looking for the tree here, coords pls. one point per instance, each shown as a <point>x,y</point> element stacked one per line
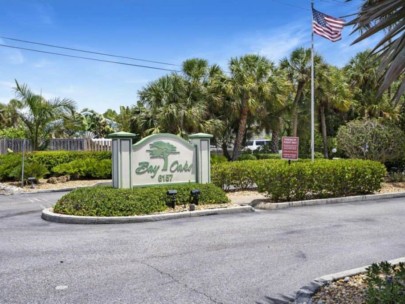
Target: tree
<point>160,149</point>
<point>332,93</point>
<point>298,68</point>
<point>388,16</point>
<point>248,86</point>
<point>362,73</point>
<point>371,139</point>
<point>37,114</point>
<point>275,105</point>
<point>176,103</point>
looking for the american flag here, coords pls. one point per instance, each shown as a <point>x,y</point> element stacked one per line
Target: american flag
<point>327,26</point>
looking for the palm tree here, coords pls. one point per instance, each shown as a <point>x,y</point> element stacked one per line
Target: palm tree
<point>332,93</point>
<point>248,86</point>
<point>176,103</point>
<point>362,73</point>
<point>388,16</point>
<point>298,68</point>
<point>37,114</point>
<point>275,106</point>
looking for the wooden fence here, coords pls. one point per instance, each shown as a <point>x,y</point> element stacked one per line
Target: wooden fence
<point>67,144</point>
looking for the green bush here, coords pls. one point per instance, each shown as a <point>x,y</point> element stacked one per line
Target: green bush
<point>107,201</point>
<point>85,168</point>
<point>246,156</point>
<point>240,174</point>
<point>216,159</point>
<point>49,159</point>
<point>268,156</point>
<point>8,163</point>
<point>385,283</point>
<point>302,179</point>
<point>31,169</point>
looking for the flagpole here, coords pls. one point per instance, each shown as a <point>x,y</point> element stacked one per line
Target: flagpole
<point>312,90</point>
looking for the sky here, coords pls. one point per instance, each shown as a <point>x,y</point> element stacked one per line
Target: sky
<point>168,31</point>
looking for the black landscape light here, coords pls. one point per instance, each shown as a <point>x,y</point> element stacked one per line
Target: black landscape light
<point>171,198</point>
<point>32,181</point>
<point>194,196</point>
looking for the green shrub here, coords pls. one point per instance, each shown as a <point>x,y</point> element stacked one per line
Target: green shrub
<point>268,156</point>
<point>302,179</point>
<point>107,201</point>
<point>385,283</point>
<point>240,175</point>
<point>246,156</point>
<point>216,159</point>
<point>85,168</point>
<point>8,163</point>
<point>50,159</point>
<point>31,169</point>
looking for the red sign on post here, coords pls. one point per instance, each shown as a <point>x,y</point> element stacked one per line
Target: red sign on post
<point>290,148</point>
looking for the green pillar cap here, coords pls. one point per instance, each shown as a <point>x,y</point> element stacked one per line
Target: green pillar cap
<point>200,135</point>
<point>121,135</point>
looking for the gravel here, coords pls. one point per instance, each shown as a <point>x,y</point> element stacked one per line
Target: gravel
<point>348,290</point>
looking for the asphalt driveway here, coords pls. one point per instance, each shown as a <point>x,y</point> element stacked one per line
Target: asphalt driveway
<point>240,258</point>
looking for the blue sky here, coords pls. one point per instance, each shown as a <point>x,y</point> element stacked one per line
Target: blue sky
<point>161,30</point>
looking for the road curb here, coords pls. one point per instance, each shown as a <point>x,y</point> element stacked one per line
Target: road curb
<point>304,294</point>
<point>49,215</point>
<point>326,201</point>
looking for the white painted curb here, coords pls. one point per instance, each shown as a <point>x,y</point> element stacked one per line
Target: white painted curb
<point>49,215</point>
<point>304,295</point>
<point>326,201</point>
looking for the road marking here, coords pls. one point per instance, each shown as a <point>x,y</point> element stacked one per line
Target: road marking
<point>61,287</point>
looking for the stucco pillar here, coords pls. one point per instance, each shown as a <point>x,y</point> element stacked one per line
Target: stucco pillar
<point>121,159</point>
<point>202,144</point>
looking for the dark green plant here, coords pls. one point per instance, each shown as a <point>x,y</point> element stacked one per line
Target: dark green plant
<point>301,179</point>
<point>216,159</point>
<point>107,201</point>
<point>31,169</point>
<point>268,156</point>
<point>371,139</point>
<point>49,159</point>
<point>396,176</point>
<point>246,156</point>
<point>85,168</point>
<point>8,163</point>
<point>386,283</point>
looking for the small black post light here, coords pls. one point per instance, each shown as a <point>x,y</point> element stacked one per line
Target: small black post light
<point>171,198</point>
<point>32,181</point>
<point>194,196</point>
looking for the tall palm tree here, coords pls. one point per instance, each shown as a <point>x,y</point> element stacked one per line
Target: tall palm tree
<point>275,106</point>
<point>362,73</point>
<point>388,16</point>
<point>177,103</point>
<point>37,114</point>
<point>332,92</point>
<point>298,68</point>
<point>248,87</point>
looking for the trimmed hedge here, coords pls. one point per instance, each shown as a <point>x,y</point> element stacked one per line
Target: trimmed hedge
<point>108,201</point>
<point>85,168</point>
<point>302,179</point>
<point>49,159</point>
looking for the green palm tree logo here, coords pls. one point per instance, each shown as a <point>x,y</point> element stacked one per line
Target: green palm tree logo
<point>160,149</point>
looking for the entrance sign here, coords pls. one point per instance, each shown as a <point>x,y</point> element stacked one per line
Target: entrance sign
<point>159,159</point>
<point>290,148</point>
